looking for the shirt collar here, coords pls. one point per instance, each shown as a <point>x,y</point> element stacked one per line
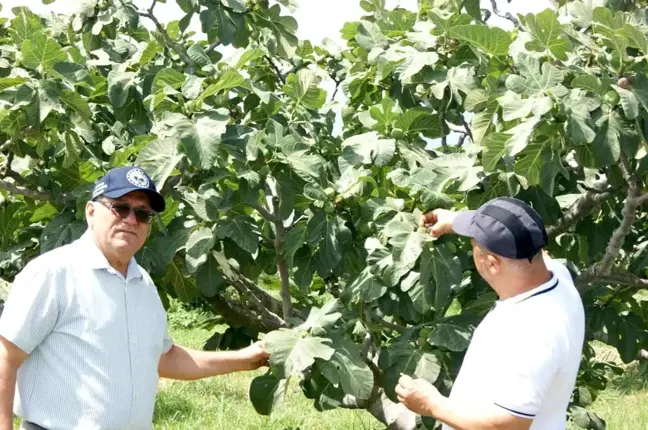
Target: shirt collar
<point>541,289</point>
<point>95,259</point>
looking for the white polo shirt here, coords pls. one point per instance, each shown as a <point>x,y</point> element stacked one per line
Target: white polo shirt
<point>94,337</point>
<point>525,354</point>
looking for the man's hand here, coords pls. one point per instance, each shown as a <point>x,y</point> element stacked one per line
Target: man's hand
<point>255,356</point>
<point>422,398</point>
<point>439,221</point>
<point>418,395</point>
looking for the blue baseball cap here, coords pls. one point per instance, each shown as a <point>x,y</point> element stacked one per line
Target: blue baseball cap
<point>123,180</point>
<point>505,226</point>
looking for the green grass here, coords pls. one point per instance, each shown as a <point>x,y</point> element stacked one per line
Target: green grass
<point>222,403</point>
<point>623,404</point>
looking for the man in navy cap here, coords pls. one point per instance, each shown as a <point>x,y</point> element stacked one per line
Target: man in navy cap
<point>83,335</point>
<point>521,366</point>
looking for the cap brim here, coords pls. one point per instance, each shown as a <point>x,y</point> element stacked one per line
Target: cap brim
<point>157,201</point>
<point>463,224</point>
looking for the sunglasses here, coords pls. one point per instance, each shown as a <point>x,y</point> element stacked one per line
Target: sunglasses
<point>123,210</point>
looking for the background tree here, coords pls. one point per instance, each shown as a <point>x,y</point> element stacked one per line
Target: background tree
<point>259,187</point>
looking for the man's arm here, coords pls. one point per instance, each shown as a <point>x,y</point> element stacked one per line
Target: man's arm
<point>29,316</point>
<point>188,364</point>
<point>11,357</point>
<point>423,398</point>
<point>464,417</point>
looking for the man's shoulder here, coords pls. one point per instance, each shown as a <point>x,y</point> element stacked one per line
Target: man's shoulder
<point>53,260</point>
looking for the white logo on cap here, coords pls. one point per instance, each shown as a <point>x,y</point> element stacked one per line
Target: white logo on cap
<point>138,178</point>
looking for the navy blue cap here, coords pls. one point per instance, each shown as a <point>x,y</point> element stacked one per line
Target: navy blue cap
<point>505,226</point>
<point>123,180</point>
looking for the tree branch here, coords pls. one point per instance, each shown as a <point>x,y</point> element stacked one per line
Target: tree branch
<point>337,85</point>
<point>173,45</point>
<point>6,167</point>
<point>642,199</point>
<point>625,278</point>
<point>284,276</point>
<point>236,313</point>
<point>506,15</point>
<point>264,213</point>
<point>281,77</point>
<point>444,125</point>
<point>467,128</point>
<point>372,317</point>
<point>6,146</point>
<point>629,217</point>
<point>584,206</point>
<point>269,301</point>
<point>24,191</point>
<point>462,140</point>
<point>213,46</point>
<point>261,307</point>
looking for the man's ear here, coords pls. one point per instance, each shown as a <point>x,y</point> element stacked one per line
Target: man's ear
<point>494,264</point>
<point>89,210</point>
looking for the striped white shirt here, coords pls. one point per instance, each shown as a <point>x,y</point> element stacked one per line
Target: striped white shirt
<point>94,339</point>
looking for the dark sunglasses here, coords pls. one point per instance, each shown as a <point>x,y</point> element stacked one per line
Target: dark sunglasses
<point>123,210</point>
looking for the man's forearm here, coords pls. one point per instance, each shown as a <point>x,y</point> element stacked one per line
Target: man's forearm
<point>7,391</point>
<point>11,358</point>
<point>188,364</point>
<point>478,417</point>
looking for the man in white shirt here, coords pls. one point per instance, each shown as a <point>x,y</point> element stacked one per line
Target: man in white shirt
<point>83,335</point>
<point>521,366</point>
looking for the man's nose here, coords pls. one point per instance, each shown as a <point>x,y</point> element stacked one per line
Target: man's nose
<point>131,219</point>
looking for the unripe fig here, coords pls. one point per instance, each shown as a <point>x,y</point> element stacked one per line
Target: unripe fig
<point>612,98</point>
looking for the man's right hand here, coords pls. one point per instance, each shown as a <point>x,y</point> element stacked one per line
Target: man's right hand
<point>439,221</point>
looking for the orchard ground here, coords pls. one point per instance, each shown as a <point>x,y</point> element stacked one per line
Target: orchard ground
<point>222,402</point>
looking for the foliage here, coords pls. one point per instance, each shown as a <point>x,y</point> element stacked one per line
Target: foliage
<point>259,183</point>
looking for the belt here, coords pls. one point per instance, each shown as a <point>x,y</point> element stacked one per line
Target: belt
<point>26,425</point>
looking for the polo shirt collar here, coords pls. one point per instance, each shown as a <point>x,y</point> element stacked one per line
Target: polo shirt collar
<point>96,260</point>
<point>541,289</point>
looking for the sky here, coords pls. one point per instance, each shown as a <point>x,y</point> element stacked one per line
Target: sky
<point>317,19</point>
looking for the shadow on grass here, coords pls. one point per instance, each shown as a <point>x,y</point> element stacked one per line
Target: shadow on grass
<point>634,379</point>
<point>171,407</point>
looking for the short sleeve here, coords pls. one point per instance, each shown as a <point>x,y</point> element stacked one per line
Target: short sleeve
<point>31,310</point>
<point>168,342</point>
<point>526,372</point>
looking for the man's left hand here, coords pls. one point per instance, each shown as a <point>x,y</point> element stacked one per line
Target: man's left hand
<point>418,395</point>
<point>254,356</point>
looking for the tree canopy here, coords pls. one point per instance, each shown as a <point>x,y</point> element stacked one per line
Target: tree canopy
<point>265,180</point>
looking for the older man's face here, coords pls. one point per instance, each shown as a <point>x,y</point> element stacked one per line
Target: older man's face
<point>121,225</point>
